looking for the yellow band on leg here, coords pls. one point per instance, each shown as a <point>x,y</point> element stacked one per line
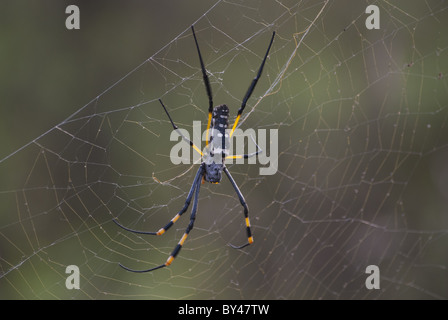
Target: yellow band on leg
<point>182,240</point>
<point>197,150</point>
<point>208,128</point>
<point>176,217</point>
<point>169,261</point>
<point>234,125</point>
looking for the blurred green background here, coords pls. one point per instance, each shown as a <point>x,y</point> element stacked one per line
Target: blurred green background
<point>363,149</point>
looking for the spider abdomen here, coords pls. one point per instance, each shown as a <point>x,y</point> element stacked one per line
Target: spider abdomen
<point>219,137</point>
<point>220,122</point>
<point>219,144</point>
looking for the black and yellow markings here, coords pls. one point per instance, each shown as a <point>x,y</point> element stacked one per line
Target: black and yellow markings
<point>217,120</point>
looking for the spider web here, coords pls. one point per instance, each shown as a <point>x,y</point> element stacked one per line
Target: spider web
<point>363,150</point>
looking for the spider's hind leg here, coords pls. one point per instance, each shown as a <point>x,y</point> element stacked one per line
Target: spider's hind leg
<point>250,238</point>
<point>175,252</point>
<point>161,231</point>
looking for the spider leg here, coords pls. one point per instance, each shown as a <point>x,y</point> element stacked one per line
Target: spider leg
<point>207,85</point>
<point>161,231</point>
<point>179,245</point>
<point>246,156</point>
<point>251,87</point>
<point>179,132</point>
<point>250,238</point>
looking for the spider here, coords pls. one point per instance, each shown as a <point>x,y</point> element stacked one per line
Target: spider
<point>213,158</point>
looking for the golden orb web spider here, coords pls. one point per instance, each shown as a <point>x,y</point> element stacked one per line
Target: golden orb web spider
<point>213,158</point>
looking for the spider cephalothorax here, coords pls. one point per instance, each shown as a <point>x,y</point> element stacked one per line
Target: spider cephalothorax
<point>213,158</point>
